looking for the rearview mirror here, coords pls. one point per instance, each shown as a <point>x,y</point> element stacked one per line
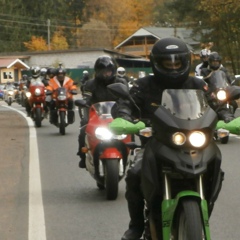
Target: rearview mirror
<point>119,90</point>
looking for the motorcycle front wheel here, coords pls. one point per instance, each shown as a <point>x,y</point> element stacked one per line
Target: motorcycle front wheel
<point>38,117</point>
<point>9,102</point>
<point>111,168</point>
<point>189,221</point>
<point>62,123</point>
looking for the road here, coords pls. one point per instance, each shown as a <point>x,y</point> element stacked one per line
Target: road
<point>73,207</point>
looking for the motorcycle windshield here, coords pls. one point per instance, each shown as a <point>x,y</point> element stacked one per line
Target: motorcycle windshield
<point>185,104</point>
<point>62,91</point>
<point>218,79</point>
<point>36,83</point>
<point>103,108</point>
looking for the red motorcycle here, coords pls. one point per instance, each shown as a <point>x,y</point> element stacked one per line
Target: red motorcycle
<point>62,115</point>
<point>36,98</point>
<point>107,155</point>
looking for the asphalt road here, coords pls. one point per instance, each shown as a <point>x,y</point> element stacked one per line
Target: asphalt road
<point>73,207</point>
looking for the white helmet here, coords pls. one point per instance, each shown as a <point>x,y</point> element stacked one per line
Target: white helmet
<point>85,73</point>
<point>205,53</point>
<point>121,72</point>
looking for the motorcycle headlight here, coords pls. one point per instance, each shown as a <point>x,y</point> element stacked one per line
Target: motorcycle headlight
<point>10,92</point>
<point>221,95</point>
<point>197,139</point>
<point>61,97</point>
<point>37,92</point>
<point>105,134</point>
<point>28,94</point>
<point>179,138</point>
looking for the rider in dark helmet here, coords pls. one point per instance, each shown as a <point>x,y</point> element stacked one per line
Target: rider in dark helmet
<point>105,70</point>
<point>214,61</point>
<point>95,91</point>
<point>215,64</point>
<point>170,59</point>
<point>51,72</point>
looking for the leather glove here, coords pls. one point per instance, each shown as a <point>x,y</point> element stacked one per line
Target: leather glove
<point>126,117</point>
<point>228,119</point>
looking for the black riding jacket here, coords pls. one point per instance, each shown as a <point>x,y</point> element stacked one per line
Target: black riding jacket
<point>95,91</point>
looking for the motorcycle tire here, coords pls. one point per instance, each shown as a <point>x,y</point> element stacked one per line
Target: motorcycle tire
<point>9,102</point>
<point>189,221</point>
<point>224,140</point>
<point>111,170</point>
<point>62,123</point>
<point>38,117</point>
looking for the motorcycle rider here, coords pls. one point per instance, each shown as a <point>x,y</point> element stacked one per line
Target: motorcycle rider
<point>35,77</point>
<point>204,54</point>
<point>61,80</point>
<point>95,91</point>
<point>214,64</point>
<point>84,80</point>
<point>170,59</point>
<point>121,73</point>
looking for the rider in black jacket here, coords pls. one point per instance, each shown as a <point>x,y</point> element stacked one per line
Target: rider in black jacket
<point>95,91</point>
<point>170,59</point>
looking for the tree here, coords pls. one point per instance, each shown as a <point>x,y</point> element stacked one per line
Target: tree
<point>59,42</point>
<point>95,34</point>
<point>36,44</point>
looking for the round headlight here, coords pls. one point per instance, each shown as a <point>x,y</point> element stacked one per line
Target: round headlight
<point>179,138</point>
<point>103,133</point>
<point>221,95</point>
<point>37,91</point>
<point>197,139</point>
<point>28,94</point>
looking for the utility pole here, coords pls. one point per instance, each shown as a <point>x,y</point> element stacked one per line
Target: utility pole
<point>48,25</point>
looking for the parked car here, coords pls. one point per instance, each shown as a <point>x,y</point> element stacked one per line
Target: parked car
<point>1,92</point>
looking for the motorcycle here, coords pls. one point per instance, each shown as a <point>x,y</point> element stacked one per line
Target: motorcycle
<point>62,115</point>
<point>107,155</point>
<point>218,96</point>
<point>182,176</point>
<point>9,95</point>
<point>36,99</point>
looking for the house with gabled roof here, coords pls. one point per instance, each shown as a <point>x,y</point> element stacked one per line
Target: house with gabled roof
<point>141,42</point>
<point>10,69</point>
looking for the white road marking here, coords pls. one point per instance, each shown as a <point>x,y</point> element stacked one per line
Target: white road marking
<point>36,220</point>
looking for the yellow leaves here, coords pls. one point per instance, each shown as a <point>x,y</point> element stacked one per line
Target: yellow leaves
<point>36,44</point>
<point>58,42</point>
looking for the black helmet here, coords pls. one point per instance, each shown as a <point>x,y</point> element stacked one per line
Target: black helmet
<point>214,60</point>
<point>175,53</point>
<point>51,72</point>
<point>35,71</point>
<point>105,69</point>
<point>60,73</point>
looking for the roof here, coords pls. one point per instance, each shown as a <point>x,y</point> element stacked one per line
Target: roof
<point>162,32</point>
<point>10,62</point>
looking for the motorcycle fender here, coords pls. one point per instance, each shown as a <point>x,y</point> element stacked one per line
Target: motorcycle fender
<point>110,153</point>
<point>170,206</point>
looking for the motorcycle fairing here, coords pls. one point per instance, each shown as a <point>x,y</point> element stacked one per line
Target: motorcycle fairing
<point>164,124</point>
<point>182,165</point>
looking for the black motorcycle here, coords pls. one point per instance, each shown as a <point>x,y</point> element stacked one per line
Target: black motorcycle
<point>182,176</point>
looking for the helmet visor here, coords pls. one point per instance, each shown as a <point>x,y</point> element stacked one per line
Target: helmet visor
<point>172,63</point>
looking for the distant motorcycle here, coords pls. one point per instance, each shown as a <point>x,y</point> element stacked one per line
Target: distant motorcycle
<point>62,115</point>
<point>36,98</point>
<point>220,94</point>
<point>9,95</point>
<point>107,155</point>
